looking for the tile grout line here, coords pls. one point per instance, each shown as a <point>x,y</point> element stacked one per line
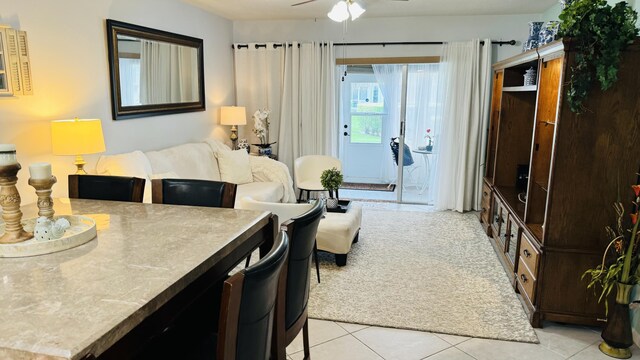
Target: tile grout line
<point>438,352</point>
<point>375,352</point>
<point>464,352</point>
<point>324,342</point>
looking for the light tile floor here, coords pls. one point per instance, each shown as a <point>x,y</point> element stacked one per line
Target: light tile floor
<point>331,340</point>
<point>339,341</point>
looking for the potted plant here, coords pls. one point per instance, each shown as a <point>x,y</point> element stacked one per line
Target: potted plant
<point>261,130</point>
<point>599,33</point>
<point>331,179</point>
<point>621,273</point>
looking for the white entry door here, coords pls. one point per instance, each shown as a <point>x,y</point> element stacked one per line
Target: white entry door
<point>363,128</point>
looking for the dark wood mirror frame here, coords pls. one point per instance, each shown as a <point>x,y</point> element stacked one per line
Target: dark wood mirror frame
<point>114,28</point>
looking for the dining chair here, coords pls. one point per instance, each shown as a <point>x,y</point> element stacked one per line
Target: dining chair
<point>102,187</point>
<point>193,192</point>
<point>247,311</point>
<point>308,169</point>
<point>293,288</point>
<point>245,320</point>
<point>284,211</point>
<point>407,159</point>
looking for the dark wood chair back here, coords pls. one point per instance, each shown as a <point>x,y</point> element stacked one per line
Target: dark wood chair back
<point>247,309</point>
<point>293,292</point>
<point>193,192</point>
<point>101,187</point>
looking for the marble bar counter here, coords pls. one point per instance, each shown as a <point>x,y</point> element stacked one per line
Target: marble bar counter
<point>80,302</point>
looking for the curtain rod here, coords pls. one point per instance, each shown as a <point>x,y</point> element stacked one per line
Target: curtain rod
<point>258,46</point>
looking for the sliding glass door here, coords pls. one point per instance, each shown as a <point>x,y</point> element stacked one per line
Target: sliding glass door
<point>389,118</point>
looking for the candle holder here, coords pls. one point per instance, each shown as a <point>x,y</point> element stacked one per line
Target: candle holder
<point>43,190</point>
<point>10,202</point>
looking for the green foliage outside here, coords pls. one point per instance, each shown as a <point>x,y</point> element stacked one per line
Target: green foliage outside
<point>367,129</point>
<point>600,33</point>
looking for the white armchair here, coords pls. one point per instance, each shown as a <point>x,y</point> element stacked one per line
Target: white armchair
<point>308,169</point>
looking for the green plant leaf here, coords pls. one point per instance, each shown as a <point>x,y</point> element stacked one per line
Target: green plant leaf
<point>600,33</point>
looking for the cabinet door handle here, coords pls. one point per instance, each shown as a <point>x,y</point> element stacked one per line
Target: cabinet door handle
<point>485,193</point>
<point>524,278</point>
<point>484,210</point>
<point>526,253</point>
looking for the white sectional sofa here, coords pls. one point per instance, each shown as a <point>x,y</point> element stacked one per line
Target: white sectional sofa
<point>268,181</point>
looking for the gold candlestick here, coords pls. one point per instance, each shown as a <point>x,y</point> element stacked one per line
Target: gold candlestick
<point>43,190</point>
<point>10,202</point>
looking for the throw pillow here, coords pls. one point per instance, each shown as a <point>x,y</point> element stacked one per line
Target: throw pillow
<point>130,164</point>
<point>234,166</point>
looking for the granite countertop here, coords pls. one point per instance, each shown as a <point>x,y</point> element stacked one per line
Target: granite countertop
<point>66,304</point>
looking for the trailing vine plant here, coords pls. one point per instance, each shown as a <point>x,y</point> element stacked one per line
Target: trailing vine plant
<point>600,33</point>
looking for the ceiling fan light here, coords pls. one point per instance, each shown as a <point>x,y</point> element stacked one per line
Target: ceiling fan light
<point>356,10</point>
<point>339,12</point>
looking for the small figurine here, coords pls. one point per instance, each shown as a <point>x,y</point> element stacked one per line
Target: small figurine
<point>46,229</point>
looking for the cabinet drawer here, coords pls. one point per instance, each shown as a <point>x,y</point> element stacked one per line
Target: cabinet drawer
<point>527,280</point>
<point>529,254</point>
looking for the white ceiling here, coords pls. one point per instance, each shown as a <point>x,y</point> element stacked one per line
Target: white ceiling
<point>282,9</point>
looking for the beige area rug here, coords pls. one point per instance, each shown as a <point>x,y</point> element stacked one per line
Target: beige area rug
<point>429,271</point>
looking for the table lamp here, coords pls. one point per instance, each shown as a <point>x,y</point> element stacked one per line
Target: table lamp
<point>233,115</point>
<point>77,137</point>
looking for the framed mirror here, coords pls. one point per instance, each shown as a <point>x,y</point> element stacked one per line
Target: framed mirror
<point>153,72</point>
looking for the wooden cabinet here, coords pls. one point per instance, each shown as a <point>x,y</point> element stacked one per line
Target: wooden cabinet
<point>552,177</point>
<point>505,229</point>
<point>485,213</point>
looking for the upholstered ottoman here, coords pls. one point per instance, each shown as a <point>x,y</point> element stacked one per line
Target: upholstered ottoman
<point>337,231</point>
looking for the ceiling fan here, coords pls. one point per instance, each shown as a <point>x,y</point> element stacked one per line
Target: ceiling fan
<point>343,9</point>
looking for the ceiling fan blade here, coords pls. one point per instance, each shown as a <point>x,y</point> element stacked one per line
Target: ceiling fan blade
<point>302,3</point>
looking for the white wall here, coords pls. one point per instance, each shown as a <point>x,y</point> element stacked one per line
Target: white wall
<point>424,28</point>
<point>67,41</point>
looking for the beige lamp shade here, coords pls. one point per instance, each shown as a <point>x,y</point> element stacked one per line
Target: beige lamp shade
<point>233,115</point>
<point>77,136</point>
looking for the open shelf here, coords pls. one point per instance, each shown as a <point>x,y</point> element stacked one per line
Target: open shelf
<point>520,88</point>
<point>536,231</point>
<point>542,186</point>
<point>510,196</point>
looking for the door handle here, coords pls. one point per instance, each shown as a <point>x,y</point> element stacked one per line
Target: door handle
<point>345,133</point>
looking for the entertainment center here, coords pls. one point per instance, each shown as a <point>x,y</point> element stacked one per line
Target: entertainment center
<point>552,177</point>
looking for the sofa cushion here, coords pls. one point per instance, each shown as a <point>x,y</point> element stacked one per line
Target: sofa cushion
<point>234,166</point>
<point>260,191</point>
<point>188,161</point>
<point>133,164</point>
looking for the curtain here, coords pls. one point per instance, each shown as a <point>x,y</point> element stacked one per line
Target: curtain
<point>423,113</point>
<point>130,75</point>
<point>465,85</point>
<point>389,78</point>
<point>259,83</point>
<point>297,83</point>
<point>168,73</point>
